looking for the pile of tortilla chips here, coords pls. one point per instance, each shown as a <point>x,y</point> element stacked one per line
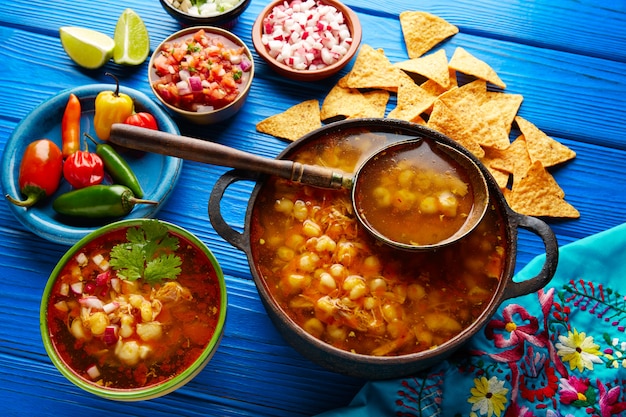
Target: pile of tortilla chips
<point>428,92</point>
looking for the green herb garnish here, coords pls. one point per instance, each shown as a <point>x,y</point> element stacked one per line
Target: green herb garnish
<point>148,254</point>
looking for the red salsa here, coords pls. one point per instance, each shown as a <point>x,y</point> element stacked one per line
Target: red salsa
<point>200,71</point>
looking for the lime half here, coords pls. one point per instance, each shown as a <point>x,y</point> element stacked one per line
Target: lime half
<point>87,47</point>
<point>132,42</point>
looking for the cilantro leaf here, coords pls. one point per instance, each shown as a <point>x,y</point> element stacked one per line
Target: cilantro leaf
<point>163,267</point>
<point>148,254</point>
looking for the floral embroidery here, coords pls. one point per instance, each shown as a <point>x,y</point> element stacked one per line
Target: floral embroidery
<point>576,391</point>
<point>488,396</point>
<point>609,404</point>
<point>579,350</point>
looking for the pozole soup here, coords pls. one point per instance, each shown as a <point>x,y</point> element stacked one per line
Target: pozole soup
<point>341,285</point>
<point>135,307</point>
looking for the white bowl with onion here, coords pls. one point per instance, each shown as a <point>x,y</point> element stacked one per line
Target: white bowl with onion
<point>222,13</point>
<point>306,40</point>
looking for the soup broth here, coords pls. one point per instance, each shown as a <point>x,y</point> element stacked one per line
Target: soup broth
<point>129,334</point>
<point>341,285</point>
<point>414,195</point>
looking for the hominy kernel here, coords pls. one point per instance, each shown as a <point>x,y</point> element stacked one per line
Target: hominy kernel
<point>372,265</point>
<point>415,292</point>
<point>311,229</point>
<point>378,286</point>
<point>98,322</point>
<point>428,205</point>
<point>338,271</point>
<point>314,327</point>
<point>296,282</point>
<point>325,244</point>
<point>336,332</point>
<point>405,178</point>
<point>370,303</point>
<point>346,253</point>
<point>300,210</point>
<point>327,283</point>
<point>295,241</point>
<point>397,329</point>
<point>358,291</point>
<point>308,261</point>
<point>392,311</point>
<point>382,196</point>
<point>283,205</point>
<point>400,292</point>
<point>285,254</point>
<point>351,281</point>
<point>325,308</point>
<point>403,199</point>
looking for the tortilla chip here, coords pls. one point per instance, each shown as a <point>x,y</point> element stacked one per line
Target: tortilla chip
<point>514,159</point>
<point>467,63</point>
<point>494,158</point>
<point>446,121</point>
<point>351,103</point>
<point>294,122</point>
<point>433,67</point>
<point>542,147</point>
<point>372,69</point>
<point>470,103</point>
<point>501,108</point>
<point>538,194</point>
<point>411,103</point>
<point>435,89</point>
<point>422,31</point>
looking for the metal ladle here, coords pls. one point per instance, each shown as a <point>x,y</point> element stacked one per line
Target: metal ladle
<point>205,151</point>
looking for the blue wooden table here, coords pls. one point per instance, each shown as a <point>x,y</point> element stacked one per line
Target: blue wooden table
<point>566,57</point>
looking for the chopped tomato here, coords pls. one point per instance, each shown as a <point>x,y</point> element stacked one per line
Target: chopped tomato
<point>201,70</point>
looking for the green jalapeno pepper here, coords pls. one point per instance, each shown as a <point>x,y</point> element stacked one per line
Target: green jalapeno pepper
<point>117,167</point>
<point>98,201</point>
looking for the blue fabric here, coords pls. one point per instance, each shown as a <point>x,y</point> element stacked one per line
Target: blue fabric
<point>558,352</point>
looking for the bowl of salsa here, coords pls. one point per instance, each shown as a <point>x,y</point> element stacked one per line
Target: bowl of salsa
<point>134,310</point>
<point>202,74</point>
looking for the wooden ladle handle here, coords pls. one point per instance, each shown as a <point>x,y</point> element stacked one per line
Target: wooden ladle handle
<point>208,152</point>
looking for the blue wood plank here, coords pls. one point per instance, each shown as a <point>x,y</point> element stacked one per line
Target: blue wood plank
<point>566,58</point>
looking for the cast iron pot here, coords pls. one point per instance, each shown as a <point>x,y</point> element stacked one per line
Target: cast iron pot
<point>384,367</point>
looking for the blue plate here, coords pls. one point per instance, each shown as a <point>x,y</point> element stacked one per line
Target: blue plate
<point>157,174</point>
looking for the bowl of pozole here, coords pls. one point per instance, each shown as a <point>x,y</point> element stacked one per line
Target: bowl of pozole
<point>134,310</point>
<point>353,304</point>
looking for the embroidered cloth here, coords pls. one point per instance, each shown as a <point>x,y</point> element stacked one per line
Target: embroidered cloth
<point>559,352</point>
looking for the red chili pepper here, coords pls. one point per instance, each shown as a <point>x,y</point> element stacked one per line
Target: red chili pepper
<point>40,172</point>
<point>70,126</point>
<point>142,119</point>
<point>83,168</point>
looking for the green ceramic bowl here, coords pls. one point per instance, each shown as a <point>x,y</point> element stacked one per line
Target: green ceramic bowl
<point>114,351</point>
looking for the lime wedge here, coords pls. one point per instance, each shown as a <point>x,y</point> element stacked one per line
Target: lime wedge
<point>132,42</point>
<point>87,47</point>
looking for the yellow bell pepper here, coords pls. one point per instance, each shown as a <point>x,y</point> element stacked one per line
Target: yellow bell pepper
<point>111,107</point>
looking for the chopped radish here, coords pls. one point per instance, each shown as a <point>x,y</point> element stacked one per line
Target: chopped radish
<point>306,35</point>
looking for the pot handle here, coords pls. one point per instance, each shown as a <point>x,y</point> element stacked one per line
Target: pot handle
<point>544,276</point>
<point>229,234</point>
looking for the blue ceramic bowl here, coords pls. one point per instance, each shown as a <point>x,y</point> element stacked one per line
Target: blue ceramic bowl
<point>157,174</point>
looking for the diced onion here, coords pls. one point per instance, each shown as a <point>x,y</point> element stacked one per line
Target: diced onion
<point>93,372</point>
<point>306,35</point>
<point>77,287</point>
<point>91,302</point>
